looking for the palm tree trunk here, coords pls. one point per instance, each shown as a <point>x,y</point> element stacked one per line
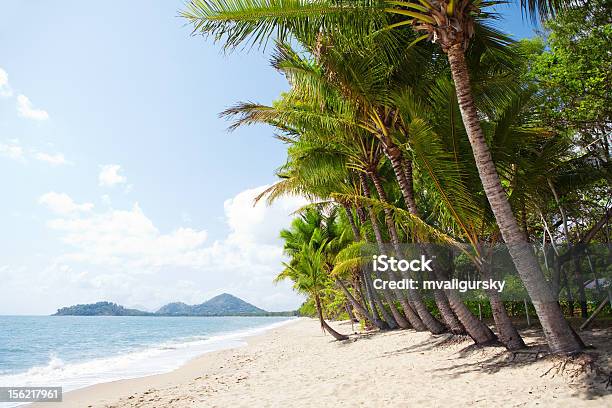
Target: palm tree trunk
<point>359,289</point>
<point>411,315</point>
<point>507,333</point>
<point>358,306</point>
<point>368,322</point>
<point>440,298</point>
<point>560,336</point>
<point>447,313</point>
<point>477,330</point>
<point>370,294</point>
<point>382,319</point>
<point>399,318</point>
<point>385,320</point>
<point>324,324</point>
<point>349,215</point>
<point>349,311</point>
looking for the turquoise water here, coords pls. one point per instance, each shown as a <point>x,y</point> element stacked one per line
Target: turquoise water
<point>77,351</point>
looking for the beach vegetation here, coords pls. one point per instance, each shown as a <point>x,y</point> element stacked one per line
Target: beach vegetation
<point>419,122</point>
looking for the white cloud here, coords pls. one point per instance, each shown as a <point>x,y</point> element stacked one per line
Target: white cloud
<point>5,88</point>
<point>118,246</point>
<point>126,237</point>
<point>61,203</point>
<point>109,175</point>
<point>259,224</point>
<point>26,110</point>
<point>56,159</point>
<point>12,150</point>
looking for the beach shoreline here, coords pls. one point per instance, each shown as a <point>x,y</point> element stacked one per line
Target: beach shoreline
<point>98,391</point>
<point>298,365</point>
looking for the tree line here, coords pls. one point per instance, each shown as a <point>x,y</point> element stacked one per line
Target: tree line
<point>420,122</point>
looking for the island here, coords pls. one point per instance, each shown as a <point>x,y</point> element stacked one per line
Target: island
<point>221,305</point>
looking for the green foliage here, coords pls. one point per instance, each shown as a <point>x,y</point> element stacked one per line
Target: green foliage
<point>99,309</point>
<point>360,83</point>
<point>574,73</point>
<point>308,308</point>
<point>312,243</point>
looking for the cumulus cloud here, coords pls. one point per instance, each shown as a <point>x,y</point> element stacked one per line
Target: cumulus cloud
<point>12,150</point>
<point>259,224</point>
<point>126,239</point>
<point>5,88</point>
<point>130,258</point>
<point>61,203</point>
<point>27,110</point>
<point>56,159</point>
<point>109,175</point>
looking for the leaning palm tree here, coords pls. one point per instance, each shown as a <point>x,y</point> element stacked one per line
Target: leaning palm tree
<point>302,113</point>
<point>307,247</point>
<point>314,171</point>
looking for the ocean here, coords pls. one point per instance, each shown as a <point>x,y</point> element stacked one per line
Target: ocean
<point>78,351</point>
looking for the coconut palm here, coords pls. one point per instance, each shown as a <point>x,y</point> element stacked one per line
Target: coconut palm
<point>306,245</point>
<point>315,171</point>
<point>365,157</point>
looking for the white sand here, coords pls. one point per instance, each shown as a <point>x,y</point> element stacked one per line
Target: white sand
<point>298,366</point>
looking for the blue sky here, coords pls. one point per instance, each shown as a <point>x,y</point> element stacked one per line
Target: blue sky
<point>119,180</point>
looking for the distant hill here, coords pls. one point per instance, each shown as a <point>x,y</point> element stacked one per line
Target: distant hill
<point>99,309</point>
<point>175,309</point>
<point>222,305</point>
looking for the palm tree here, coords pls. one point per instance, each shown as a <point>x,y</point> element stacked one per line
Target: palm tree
<point>364,157</point>
<point>305,243</point>
<point>364,154</point>
<point>315,171</point>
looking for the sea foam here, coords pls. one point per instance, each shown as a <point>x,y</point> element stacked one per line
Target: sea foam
<point>157,359</point>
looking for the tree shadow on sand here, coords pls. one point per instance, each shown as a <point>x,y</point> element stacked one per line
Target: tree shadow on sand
<point>588,373</point>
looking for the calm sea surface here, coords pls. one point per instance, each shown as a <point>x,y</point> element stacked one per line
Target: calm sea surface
<point>77,351</point>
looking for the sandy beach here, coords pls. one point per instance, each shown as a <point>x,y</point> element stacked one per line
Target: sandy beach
<point>298,365</point>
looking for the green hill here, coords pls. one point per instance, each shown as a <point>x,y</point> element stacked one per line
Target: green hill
<point>99,309</point>
<point>221,305</point>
